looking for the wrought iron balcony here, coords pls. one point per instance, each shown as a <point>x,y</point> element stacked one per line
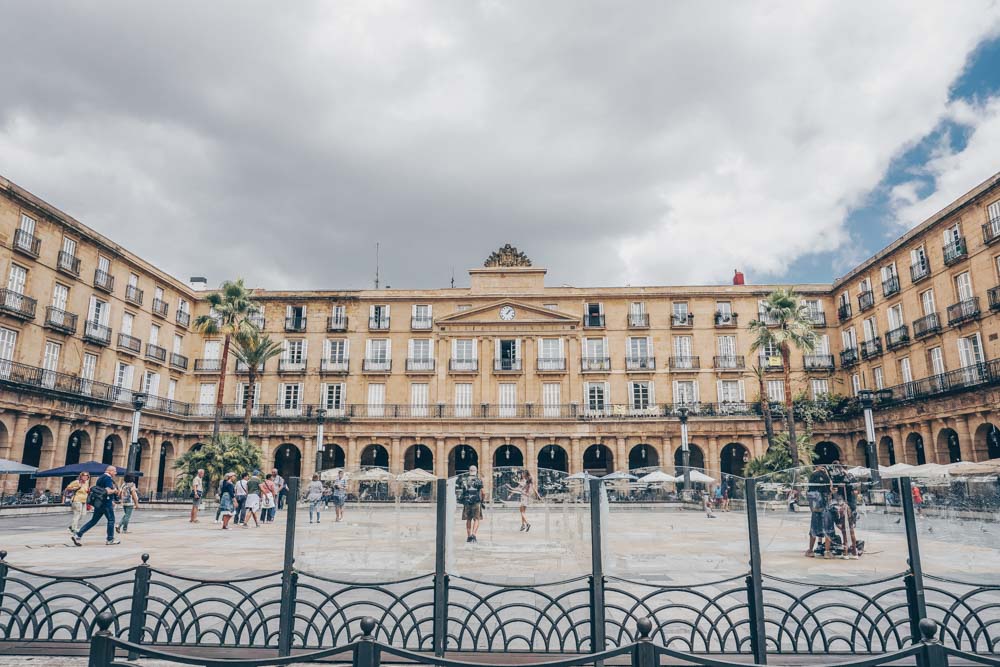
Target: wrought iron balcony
<point>897,337</point>
<point>593,321</point>
<point>378,323</point>
<point>640,363</point>
<point>767,319</point>
<point>17,305</point>
<point>849,357</point>
<point>595,364</point>
<point>26,243</point>
<point>291,365</point>
<point>160,307</point>
<point>890,286</point>
<point>955,251</point>
<point>991,231</point>
<point>243,368</point>
<point>336,323</point>
<point>685,363</point>
<point>725,320</point>
<point>926,325</point>
<point>681,321</point>
<point>421,323</point>
<point>871,348</point>
<point>295,324</point>
<point>68,263</point>
<point>551,365</point>
<point>463,365</point>
<point>817,317</point>
<point>133,294</point>
<point>178,361</point>
<point>844,311</point>
<point>963,311</point>
<point>207,365</point>
<point>129,344</point>
<point>334,365</point>
<point>919,271</point>
<point>156,353</point>
<point>96,332</point>
<point>60,320</point>
<point>507,365</point>
<point>183,318</point>
<point>771,362</point>
<point>638,320</point>
<point>419,365</point>
<point>729,362</point>
<point>376,365</point>
<point>866,300</point>
<point>993,294</point>
<point>818,362</point>
<point>104,281</point>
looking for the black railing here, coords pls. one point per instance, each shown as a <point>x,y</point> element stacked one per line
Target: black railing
<point>183,318</point>
<point>991,231</point>
<point>378,323</point>
<point>844,311</point>
<point>207,365</point>
<point>871,348</point>
<point>17,304</point>
<point>640,363</point>
<point>993,294</point>
<point>156,353</point>
<point>729,362</point>
<point>68,263</point>
<point>104,281</point>
<point>421,323</point>
<point>60,320</point>
<point>593,321</point>
<point>463,365</point>
<point>130,344</point>
<point>551,364</point>
<point>243,368</point>
<point>890,286</point>
<point>685,363</point>
<point>419,365</point>
<point>507,365</point>
<point>95,332</point>
<point>771,362</point>
<point>955,251</point>
<point>817,318</point>
<point>725,319</point>
<point>963,311</point>
<point>638,320</point>
<point>926,325</point>
<point>178,361</point>
<point>681,321</point>
<point>336,323</point>
<point>133,294</point>
<point>62,384</point>
<point>27,243</point>
<point>866,300</point>
<point>595,363</point>
<point>897,337</point>
<point>334,365</point>
<point>295,324</point>
<point>962,379</point>
<point>291,365</point>
<point>919,271</point>
<point>849,357</point>
<point>818,362</point>
<point>376,365</point>
<point>160,307</point>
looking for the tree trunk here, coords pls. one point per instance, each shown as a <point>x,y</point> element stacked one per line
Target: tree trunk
<point>248,409</point>
<point>222,388</point>
<point>793,445</point>
<point>765,408</point>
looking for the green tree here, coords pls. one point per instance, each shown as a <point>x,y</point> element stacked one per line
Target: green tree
<point>229,453</point>
<point>253,349</point>
<point>231,306</point>
<point>765,405</point>
<point>784,324</point>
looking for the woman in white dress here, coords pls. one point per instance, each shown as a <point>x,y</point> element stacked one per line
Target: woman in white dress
<point>528,491</point>
<point>253,500</point>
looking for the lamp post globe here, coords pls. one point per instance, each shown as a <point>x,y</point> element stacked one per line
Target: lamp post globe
<point>682,414</point>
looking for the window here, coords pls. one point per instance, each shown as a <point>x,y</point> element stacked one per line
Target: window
<point>60,295</point>
<point>69,246</point>
<point>595,348</point>
<point>103,264</point>
<point>865,285</point>
<point>463,399</point>
<point>245,393</point>
<point>171,389</point>
<point>551,399</point>
<point>50,363</point>
<point>128,319</point>
<point>682,352</point>
<point>970,350</point>
<point>507,352</point>
<point>896,316</point>
<point>888,272</point>
<point>206,398</point>
<point>819,387</point>
<point>133,280</point>
<point>879,380</point>
<point>378,317</point>
<point>462,307</point>
<point>813,309</point>
<point>154,334</point>
<point>870,328</point>
<point>212,349</point>
<point>685,392</point>
<point>291,397</point>
<point>727,348</point>
<point>953,234</point>
<point>855,384</point>
<point>640,395</point>
<point>463,354</point>
<point>679,312</point>
<point>552,306</point>
<point>993,211</point>
<point>336,350</point>
<point>639,355</point>
<point>596,396</point>
<point>730,391</point>
<point>27,224</point>
<point>88,370</point>
<point>937,360</point>
<point>8,338</point>
<point>418,399</point>
<point>593,315</point>
<point>822,345</point>
<point>333,397</point>
<point>776,391</point>
<point>377,354</point>
<point>550,354</point>
<point>295,318</point>
<point>963,286</point>
<point>508,399</point>
<point>338,319</point>
<point>637,314</point>
<point>151,383</point>
<point>422,315</point>
<point>723,312</point>
<point>182,306</point>
<point>294,357</point>
<point>845,299</point>
<point>16,280</point>
<point>420,349</point>
<point>927,301</point>
<point>158,293</point>
<point>905,372</point>
<point>123,379</point>
<point>178,344</point>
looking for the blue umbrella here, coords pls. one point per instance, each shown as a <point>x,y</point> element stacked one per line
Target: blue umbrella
<point>74,469</point>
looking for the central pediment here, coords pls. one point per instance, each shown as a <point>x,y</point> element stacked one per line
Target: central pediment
<point>509,313</point>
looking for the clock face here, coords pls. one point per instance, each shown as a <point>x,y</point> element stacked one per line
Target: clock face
<point>506,313</point>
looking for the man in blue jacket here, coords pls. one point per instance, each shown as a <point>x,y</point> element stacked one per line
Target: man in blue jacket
<point>102,497</point>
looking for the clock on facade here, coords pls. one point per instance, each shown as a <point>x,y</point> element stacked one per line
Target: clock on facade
<point>506,313</point>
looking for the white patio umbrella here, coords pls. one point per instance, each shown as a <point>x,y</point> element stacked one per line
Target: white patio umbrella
<point>657,477</point>
<point>416,475</point>
<point>699,477</point>
<point>331,474</point>
<point>860,472</point>
<point>8,467</point>
<point>895,471</point>
<point>991,467</point>
<point>618,475</point>
<point>374,475</point>
<point>928,470</point>
<point>581,476</point>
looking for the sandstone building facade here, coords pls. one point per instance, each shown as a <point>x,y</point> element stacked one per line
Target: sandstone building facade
<point>504,372</point>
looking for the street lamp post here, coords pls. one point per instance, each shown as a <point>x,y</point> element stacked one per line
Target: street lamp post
<point>138,403</point>
<point>320,419</point>
<point>682,412</point>
<point>867,399</point>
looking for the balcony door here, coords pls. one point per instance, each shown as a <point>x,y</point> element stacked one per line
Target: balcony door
<point>963,286</point>
<point>8,338</point>
<point>60,296</point>
<point>727,347</point>
<point>213,350</point>
<point>970,351</point>
<point>508,399</point>
<point>896,317</point>
<point>50,363</point>
<point>927,302</point>
<point>15,283</point>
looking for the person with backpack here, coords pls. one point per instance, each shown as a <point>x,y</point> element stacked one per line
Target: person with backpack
<point>470,494</point>
<point>78,491</point>
<point>102,498</point>
<point>129,496</point>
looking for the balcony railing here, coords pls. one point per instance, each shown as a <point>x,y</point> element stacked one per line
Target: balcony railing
<point>638,320</point>
<point>104,281</point>
<point>767,319</point>
<point>771,362</point>
<point>243,368</point>
<point>993,294</point>
<point>178,361</point>
<point>844,311</point>
<point>60,320</point>
<point>156,353</point>
<point>133,294</point>
<point>681,321</point>
<point>593,321</point>
<point>291,365</point>
<point>871,348</point>
<point>551,365</point>
<point>29,244</point>
<point>419,365</point>
<point>160,307</point>
<point>207,365</point>
<point>728,362</point>
<point>336,323</point>
<point>68,386</point>
<point>421,323</point>
<point>955,251</point>
<point>991,231</point>
<point>129,344</point>
<point>591,364</point>
<point>96,333</point>
<point>818,362</point>
<point>890,286</point>
<point>897,337</point>
<point>68,263</point>
<point>724,320</point>
<point>183,318</point>
<point>849,357</point>
<point>963,311</point>
<point>378,323</point>
<point>865,301</point>
<point>919,271</point>
<point>507,365</point>
<point>295,324</point>
<point>640,363</point>
<point>376,365</point>
<point>334,365</point>
<point>18,305</point>
<point>926,325</point>
<point>257,319</point>
<point>685,363</point>
<point>463,365</point>
<point>817,317</point>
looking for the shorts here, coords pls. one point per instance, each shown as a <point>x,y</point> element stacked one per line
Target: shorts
<point>472,512</point>
<point>253,502</point>
<point>821,525</point>
<point>196,500</point>
<point>338,501</point>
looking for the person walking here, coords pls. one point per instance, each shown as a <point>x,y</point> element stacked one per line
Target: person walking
<point>339,494</point>
<point>129,497</point>
<point>314,494</point>
<point>197,491</point>
<point>918,499</point>
<point>79,488</point>
<point>252,506</point>
<point>280,489</point>
<point>528,491</point>
<point>471,497</point>
<point>267,499</point>
<point>227,502</point>
<point>242,488</point>
<point>102,499</point>
<point>821,522</point>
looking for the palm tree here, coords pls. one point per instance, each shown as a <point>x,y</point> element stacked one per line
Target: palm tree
<point>231,306</point>
<point>784,323</point>
<point>253,349</point>
<point>230,453</point>
<point>765,405</point>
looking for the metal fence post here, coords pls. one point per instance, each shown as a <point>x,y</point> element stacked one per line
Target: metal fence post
<point>597,610</point>
<point>440,636</point>
<point>755,580</point>
<point>644,653</point>
<point>286,619</point>
<point>366,653</point>
<point>102,649</point>
<point>3,575</point>
<point>933,654</point>
<point>915,600</point>
<point>140,597</point>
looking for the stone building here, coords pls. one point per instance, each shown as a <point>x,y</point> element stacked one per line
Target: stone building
<point>505,372</point>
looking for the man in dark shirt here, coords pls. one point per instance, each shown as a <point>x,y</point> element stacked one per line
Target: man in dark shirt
<point>821,523</point>
<point>470,494</point>
<point>105,508</point>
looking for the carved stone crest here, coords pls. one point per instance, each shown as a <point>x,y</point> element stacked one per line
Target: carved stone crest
<point>508,255</point>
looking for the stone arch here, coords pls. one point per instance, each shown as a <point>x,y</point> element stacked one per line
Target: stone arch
<point>553,457</point>
<point>697,457</point>
<point>948,445</point>
<point>861,454</point>
<point>508,455</point>
<point>112,449</point>
<point>143,463</point>
<point>333,457</point>
<point>733,459</point>
<point>418,456</point>
<point>165,466</point>
<point>460,457</point>
<point>37,438</point>
<point>643,455</point>
<point>288,460</point>
<point>78,442</point>
<point>887,451</point>
<point>374,455</point>
<point>915,444</point>
<point>987,442</point>
<point>599,460</point>
<point>826,452</point>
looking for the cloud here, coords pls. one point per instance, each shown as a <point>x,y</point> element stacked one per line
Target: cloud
<point>636,142</point>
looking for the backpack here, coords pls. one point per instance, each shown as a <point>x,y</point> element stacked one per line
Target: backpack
<point>97,496</point>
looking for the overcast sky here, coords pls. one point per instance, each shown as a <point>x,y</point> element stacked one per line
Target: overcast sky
<point>617,142</point>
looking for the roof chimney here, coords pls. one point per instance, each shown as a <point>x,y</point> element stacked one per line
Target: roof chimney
<point>738,278</point>
<point>198,282</point>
